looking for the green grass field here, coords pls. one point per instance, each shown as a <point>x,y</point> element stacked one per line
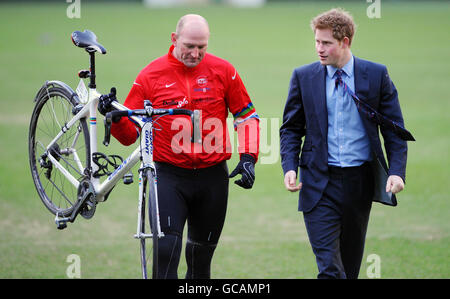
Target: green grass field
<point>264,235</point>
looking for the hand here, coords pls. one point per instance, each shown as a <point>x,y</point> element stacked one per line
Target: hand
<point>289,181</point>
<point>246,167</point>
<point>394,184</point>
<point>106,100</point>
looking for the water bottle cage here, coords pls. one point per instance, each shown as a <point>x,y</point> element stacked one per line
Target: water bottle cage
<point>107,165</point>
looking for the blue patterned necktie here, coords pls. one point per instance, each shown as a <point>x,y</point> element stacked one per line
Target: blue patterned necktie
<point>371,113</point>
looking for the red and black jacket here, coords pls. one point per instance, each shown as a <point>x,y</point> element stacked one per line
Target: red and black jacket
<point>215,88</point>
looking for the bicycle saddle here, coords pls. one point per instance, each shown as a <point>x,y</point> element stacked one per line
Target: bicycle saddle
<point>87,39</point>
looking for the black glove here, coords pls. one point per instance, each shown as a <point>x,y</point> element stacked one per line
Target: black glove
<point>105,102</point>
<point>246,167</point>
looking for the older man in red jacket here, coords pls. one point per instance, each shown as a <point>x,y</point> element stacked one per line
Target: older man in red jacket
<point>193,178</point>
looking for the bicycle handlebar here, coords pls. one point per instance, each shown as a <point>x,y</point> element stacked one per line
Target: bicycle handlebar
<point>149,112</point>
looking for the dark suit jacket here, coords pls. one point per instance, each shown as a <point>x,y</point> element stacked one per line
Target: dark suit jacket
<point>305,115</point>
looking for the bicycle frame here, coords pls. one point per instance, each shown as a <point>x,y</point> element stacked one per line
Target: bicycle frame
<point>83,179</point>
<point>102,188</point>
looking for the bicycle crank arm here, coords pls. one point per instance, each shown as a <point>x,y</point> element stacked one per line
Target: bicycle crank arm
<point>85,205</point>
<point>61,223</point>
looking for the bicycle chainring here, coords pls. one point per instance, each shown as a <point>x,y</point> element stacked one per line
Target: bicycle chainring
<point>87,194</point>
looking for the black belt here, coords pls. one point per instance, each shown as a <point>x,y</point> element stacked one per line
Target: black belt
<point>348,170</point>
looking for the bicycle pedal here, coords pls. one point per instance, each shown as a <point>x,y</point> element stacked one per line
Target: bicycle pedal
<point>61,223</point>
<point>128,178</point>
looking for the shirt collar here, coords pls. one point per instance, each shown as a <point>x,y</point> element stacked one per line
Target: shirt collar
<point>347,69</point>
<point>172,58</point>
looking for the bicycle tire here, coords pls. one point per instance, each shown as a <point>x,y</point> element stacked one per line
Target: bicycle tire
<point>149,246</point>
<point>53,109</point>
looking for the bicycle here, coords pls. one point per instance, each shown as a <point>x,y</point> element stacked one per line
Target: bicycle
<point>66,166</point>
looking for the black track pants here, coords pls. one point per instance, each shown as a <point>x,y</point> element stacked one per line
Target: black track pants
<point>198,196</point>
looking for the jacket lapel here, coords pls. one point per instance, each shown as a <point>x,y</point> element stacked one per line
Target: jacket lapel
<point>319,98</point>
<point>361,79</point>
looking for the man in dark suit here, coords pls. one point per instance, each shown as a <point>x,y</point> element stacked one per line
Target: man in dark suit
<point>341,155</point>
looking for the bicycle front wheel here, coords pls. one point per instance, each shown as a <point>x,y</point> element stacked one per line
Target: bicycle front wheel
<point>53,110</point>
<point>149,246</point>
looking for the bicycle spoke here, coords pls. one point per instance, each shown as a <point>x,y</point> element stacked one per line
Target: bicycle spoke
<point>54,114</point>
<point>62,193</point>
<point>71,166</point>
<point>53,111</point>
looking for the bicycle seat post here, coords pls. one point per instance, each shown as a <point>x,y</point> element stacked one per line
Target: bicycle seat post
<point>92,68</point>
<point>88,40</point>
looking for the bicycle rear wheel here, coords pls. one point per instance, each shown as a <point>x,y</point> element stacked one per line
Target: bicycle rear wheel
<point>149,246</point>
<point>53,110</point>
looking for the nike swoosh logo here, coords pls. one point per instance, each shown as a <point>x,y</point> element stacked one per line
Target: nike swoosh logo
<point>134,83</point>
<point>234,76</point>
<point>168,85</point>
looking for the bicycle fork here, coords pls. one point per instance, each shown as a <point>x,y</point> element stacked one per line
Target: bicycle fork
<point>147,167</point>
<point>143,179</point>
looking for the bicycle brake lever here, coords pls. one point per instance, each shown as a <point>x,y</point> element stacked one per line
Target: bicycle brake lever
<point>107,122</point>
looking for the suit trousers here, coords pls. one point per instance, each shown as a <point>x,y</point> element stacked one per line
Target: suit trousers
<point>337,225</point>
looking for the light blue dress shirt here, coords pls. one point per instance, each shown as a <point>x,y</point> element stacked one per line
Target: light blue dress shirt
<point>348,142</point>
